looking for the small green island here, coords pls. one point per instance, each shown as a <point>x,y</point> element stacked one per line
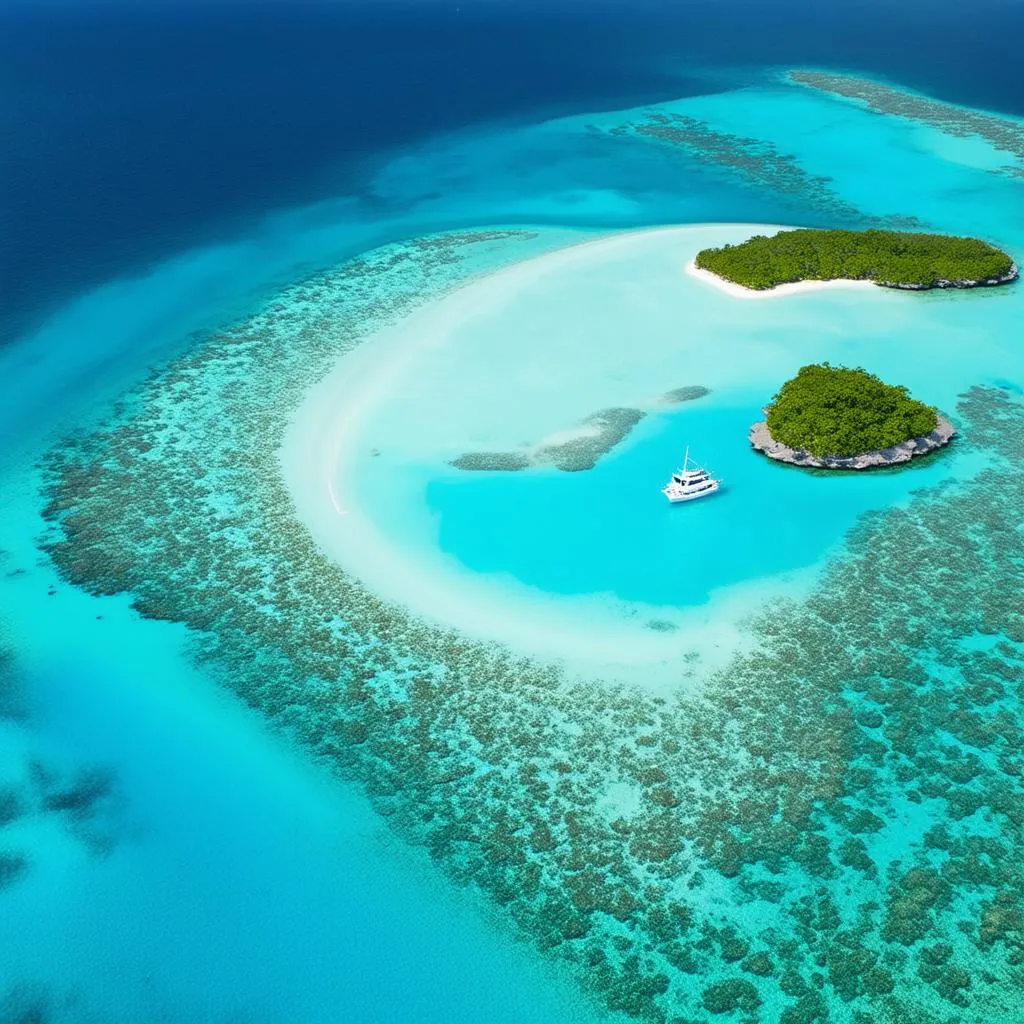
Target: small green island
<point>890,259</point>
<point>832,417</point>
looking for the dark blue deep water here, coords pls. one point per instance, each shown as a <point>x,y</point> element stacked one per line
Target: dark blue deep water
<point>133,130</point>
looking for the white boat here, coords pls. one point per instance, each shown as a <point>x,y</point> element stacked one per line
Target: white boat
<point>689,483</point>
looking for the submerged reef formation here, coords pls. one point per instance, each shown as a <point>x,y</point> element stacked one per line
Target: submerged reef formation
<point>831,417</point>
<point>581,447</point>
<point>1001,133</point>
<point>758,161</point>
<point>13,863</point>
<point>579,450</point>
<point>755,159</point>
<point>689,393</point>
<point>85,802</point>
<point>26,1003</point>
<point>597,435</point>
<point>891,259</point>
<point>493,462</point>
<point>830,828</point>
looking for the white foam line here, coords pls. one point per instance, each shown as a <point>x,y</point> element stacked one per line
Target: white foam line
<point>334,501</point>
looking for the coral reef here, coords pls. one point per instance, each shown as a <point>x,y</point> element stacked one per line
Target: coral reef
<point>1002,133</point>
<point>594,437</point>
<point>759,162</point>
<point>831,827</point>
<point>689,393</point>
<point>493,462</point>
<point>599,434</point>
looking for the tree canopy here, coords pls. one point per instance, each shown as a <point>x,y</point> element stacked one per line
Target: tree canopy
<point>832,410</point>
<point>895,257</point>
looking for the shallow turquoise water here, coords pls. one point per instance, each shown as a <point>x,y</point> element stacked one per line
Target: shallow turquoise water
<point>610,530</point>
<point>651,845</point>
<point>611,324</point>
<point>181,862</point>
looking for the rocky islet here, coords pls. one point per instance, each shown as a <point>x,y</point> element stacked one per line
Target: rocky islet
<point>761,440</point>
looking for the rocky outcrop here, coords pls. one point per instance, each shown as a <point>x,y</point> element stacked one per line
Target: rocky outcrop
<point>985,282</point>
<point>762,440</point>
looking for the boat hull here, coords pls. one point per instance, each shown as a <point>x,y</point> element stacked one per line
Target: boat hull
<point>678,498</point>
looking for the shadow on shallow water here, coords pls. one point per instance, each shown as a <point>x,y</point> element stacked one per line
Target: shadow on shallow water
<point>831,830</point>
<point>84,801</point>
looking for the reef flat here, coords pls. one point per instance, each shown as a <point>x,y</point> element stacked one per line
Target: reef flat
<point>829,827</point>
<point>1003,133</point>
<point>582,446</point>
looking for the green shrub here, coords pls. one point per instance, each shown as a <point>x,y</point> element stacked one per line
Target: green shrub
<point>830,410</point>
<point>896,257</point>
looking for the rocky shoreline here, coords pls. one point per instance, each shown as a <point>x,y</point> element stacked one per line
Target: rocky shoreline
<point>985,282</point>
<point>762,441</point>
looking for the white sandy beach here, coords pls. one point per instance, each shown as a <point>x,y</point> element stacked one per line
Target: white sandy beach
<point>737,291</point>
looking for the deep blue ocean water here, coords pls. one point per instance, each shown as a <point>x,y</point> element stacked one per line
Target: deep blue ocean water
<point>134,130</point>
<point>183,864</point>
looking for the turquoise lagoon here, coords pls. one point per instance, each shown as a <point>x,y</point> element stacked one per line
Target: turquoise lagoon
<point>602,324</point>
<point>807,815</point>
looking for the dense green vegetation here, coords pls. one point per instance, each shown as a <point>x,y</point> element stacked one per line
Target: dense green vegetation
<point>893,257</point>
<point>830,410</point>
